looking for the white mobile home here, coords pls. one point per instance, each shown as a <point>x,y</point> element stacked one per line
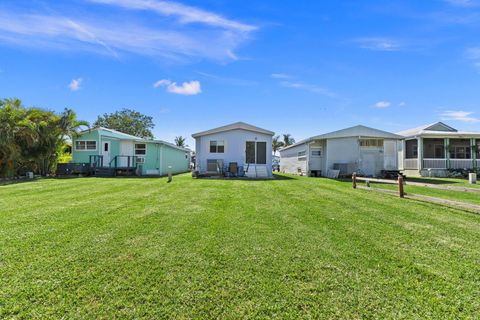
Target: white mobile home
<point>238,145</point>
<point>362,149</point>
<point>434,149</point>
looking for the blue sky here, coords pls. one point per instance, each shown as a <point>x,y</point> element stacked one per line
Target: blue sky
<point>302,67</point>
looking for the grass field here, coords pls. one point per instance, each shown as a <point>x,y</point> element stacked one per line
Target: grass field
<point>445,181</point>
<point>287,248</point>
<point>467,197</point>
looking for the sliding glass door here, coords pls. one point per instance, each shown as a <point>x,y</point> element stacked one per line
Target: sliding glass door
<point>256,152</point>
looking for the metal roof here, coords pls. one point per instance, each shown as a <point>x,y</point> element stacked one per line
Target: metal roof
<point>356,131</point>
<point>233,126</point>
<point>126,136</point>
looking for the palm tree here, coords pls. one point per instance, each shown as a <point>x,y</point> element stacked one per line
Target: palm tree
<point>180,141</point>
<point>70,125</point>
<point>287,139</point>
<point>276,144</point>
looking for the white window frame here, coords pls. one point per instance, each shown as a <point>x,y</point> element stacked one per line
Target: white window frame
<point>216,146</point>
<point>85,145</point>
<point>313,149</point>
<point>140,159</point>
<point>302,155</point>
<point>371,143</point>
<point>135,150</point>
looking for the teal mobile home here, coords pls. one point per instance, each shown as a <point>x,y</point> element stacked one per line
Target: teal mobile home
<point>103,151</point>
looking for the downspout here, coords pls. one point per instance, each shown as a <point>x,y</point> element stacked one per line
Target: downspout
<point>161,159</point>
<point>473,152</point>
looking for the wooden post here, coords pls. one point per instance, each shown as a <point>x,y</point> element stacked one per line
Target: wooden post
<point>400,186</point>
<point>169,174</point>
<point>354,180</point>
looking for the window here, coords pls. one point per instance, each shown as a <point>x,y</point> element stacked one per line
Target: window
<point>217,146</point>
<point>477,147</point>
<point>371,143</point>
<point>316,152</point>
<point>140,149</point>
<point>85,145</point>
<point>439,151</point>
<point>105,146</point>
<point>250,152</point>
<point>460,153</point>
<point>140,160</point>
<point>256,152</point>
<point>261,153</point>
<point>302,155</point>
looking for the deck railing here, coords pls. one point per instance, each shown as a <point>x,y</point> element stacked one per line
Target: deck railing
<point>460,163</point>
<point>95,160</point>
<point>410,164</point>
<point>123,162</point>
<point>434,163</point>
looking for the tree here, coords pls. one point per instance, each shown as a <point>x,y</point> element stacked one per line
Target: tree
<point>276,144</point>
<point>288,140</point>
<point>180,142</point>
<point>127,121</point>
<point>31,139</point>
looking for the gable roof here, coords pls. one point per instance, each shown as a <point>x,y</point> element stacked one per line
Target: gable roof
<point>233,126</point>
<point>120,135</point>
<point>355,131</point>
<point>436,126</point>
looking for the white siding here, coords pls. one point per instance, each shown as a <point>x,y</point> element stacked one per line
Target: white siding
<point>235,144</point>
<point>342,150</point>
<point>289,162</point>
<point>390,155</point>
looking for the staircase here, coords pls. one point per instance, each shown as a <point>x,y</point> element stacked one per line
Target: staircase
<point>104,172</point>
<point>257,171</point>
<point>261,171</point>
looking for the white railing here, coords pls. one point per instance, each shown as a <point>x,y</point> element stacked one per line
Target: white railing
<point>460,163</point>
<point>431,163</point>
<point>410,164</point>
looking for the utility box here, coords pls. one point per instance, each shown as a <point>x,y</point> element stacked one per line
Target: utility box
<point>472,178</point>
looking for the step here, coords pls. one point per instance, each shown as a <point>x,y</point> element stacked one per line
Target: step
<point>262,172</point>
<point>104,172</point>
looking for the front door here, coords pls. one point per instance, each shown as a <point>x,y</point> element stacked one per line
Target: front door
<point>369,163</point>
<point>106,153</point>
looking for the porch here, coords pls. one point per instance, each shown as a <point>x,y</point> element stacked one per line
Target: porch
<point>119,165</point>
<point>441,153</point>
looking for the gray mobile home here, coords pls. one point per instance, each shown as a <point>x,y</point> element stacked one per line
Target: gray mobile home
<point>359,148</point>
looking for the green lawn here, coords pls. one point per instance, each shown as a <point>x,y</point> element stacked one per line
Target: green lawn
<point>468,197</point>
<point>286,248</point>
<point>445,181</point>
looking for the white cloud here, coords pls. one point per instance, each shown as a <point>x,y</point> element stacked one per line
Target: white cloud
<point>473,54</point>
<point>308,87</point>
<point>383,104</point>
<point>279,76</point>
<point>379,44</point>
<point>464,116</point>
<point>75,84</point>
<point>119,33</point>
<point>402,104</point>
<point>186,14</point>
<point>462,3</point>
<point>187,88</point>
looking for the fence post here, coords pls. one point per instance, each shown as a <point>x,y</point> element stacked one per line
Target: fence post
<point>400,186</point>
<point>169,174</point>
<point>354,180</point>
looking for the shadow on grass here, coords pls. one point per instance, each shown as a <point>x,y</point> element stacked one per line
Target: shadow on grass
<point>431,180</point>
<point>276,177</point>
<point>17,181</point>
